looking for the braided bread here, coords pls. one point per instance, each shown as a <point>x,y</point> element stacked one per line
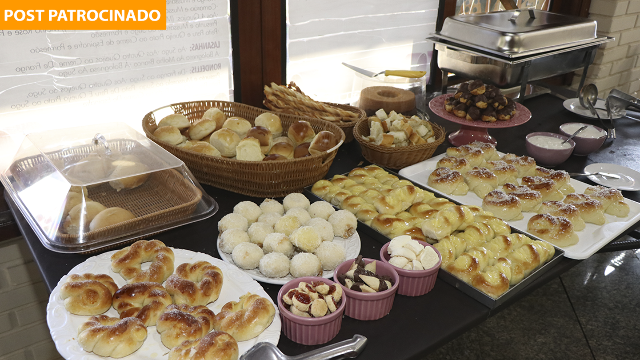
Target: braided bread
<point>195,284</point>
<point>128,261</point>
<point>179,323</point>
<point>145,301</point>
<point>246,318</point>
<point>216,345</point>
<point>557,230</point>
<point>88,294</point>
<point>109,336</point>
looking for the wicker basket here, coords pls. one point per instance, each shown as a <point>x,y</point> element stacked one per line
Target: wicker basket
<point>253,178</point>
<point>396,157</point>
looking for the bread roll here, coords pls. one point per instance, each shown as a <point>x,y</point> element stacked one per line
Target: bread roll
<point>246,318</point>
<point>264,137</point>
<point>124,167</point>
<point>177,120</point>
<point>558,208</point>
<point>270,121</point>
<point>284,139</point>
<point>239,125</point>
<point>216,115</point>
<point>179,323</point>
<point>301,132</point>
<point>301,150</point>
<point>202,128</point>
<point>72,200</point>
<point>547,187</point>
<point>282,148</point>
<point>557,230</point>
<point>128,261</point>
<point>88,294</point>
<point>273,157</point>
<point>248,149</point>
<point>225,140</point>
<point>142,300</point>
<point>324,141</point>
<point>197,283</point>
<point>448,181</point>
<point>481,181</point>
<point>591,210</point>
<point>170,135</point>
<point>80,217</point>
<point>202,147</point>
<point>110,216</point>
<point>109,336</point>
<point>502,205</point>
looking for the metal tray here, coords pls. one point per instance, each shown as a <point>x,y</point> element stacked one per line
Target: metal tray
<point>516,33</point>
<point>447,276</point>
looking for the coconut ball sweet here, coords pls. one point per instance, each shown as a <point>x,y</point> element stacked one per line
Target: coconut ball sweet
<point>301,214</point>
<point>323,227</point>
<point>258,231</point>
<point>250,210</point>
<point>305,264</point>
<point>321,209</point>
<point>344,223</point>
<point>275,265</point>
<point>231,238</point>
<point>277,242</point>
<point>271,206</point>
<point>287,224</point>
<point>247,255</point>
<point>295,200</point>
<point>233,221</point>
<point>330,254</point>
<point>269,218</point>
<point>305,238</point>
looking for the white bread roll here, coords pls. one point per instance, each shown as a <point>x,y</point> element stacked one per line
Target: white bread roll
<point>225,140</point>
<point>239,125</point>
<point>264,137</point>
<point>128,165</point>
<point>248,149</point>
<point>202,128</point>
<point>325,140</point>
<point>169,134</point>
<point>301,132</point>
<point>217,115</point>
<point>178,120</point>
<point>270,121</point>
<point>80,217</point>
<point>110,216</point>
<point>282,148</point>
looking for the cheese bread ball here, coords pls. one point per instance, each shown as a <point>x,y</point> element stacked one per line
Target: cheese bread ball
<point>331,255</point>
<point>287,224</point>
<point>321,209</point>
<point>231,238</point>
<point>247,255</point>
<point>270,205</point>
<point>305,264</point>
<point>274,265</point>
<point>277,242</point>
<point>233,221</point>
<point>250,210</point>
<point>269,218</point>
<point>344,223</point>
<point>295,200</point>
<point>322,226</point>
<point>300,213</point>
<point>306,238</point>
<point>258,231</point>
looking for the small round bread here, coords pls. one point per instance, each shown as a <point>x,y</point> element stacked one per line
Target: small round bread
<point>229,239</point>
<point>246,318</point>
<point>179,323</point>
<point>88,294</point>
<point>277,242</point>
<point>300,213</point>
<point>248,149</point>
<point>274,157</point>
<point>143,300</point>
<point>323,227</point>
<point>270,121</point>
<point>258,231</point>
<point>110,216</point>
<point>306,238</point>
<point>302,150</point>
<point>129,173</point>
<point>127,262</point>
<point>305,264</point>
<point>321,209</point>
<point>287,224</point>
<point>295,200</point>
<point>178,121</point>
<point>324,141</point>
<point>72,200</point>
<point>301,132</point>
<point>170,135</point>
<point>250,210</point>
<point>269,218</point>
<point>344,223</point>
<point>201,147</point>
<point>202,128</point>
<point>196,283</point>
<point>264,137</point>
<point>330,255</point>
<point>80,217</point>
<point>282,148</point>
<point>225,140</point>
<point>270,205</point>
<point>233,221</point>
<point>247,255</point>
<point>216,345</point>
<point>112,337</point>
<point>216,115</point>
<point>239,125</point>
<point>274,265</point>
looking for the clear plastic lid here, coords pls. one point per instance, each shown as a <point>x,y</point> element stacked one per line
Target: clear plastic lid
<point>92,187</point>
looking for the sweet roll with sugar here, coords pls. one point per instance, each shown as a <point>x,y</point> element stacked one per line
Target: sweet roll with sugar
<point>560,177</point>
<point>530,199</point>
<point>503,205</point>
<point>481,181</point>
<point>506,173</point>
<point>448,181</point>
<point>460,165</point>
<point>525,165</point>
<point>488,150</point>
<point>547,187</point>
<point>127,262</point>
<point>179,323</point>
<point>474,156</point>
<point>611,199</point>
<point>591,210</point>
<point>196,283</point>
<point>555,229</point>
<point>112,337</point>
<point>88,294</point>
<point>558,208</point>
<point>246,318</point>
<point>144,300</point>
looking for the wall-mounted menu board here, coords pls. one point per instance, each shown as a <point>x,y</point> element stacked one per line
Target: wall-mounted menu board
<point>57,78</point>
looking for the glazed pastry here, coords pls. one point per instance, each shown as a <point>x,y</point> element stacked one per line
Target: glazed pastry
<point>558,208</point>
<point>447,221</point>
<point>530,199</point>
<point>489,115</point>
<point>477,234</point>
<point>502,205</point>
<point>481,181</point>
<point>477,87</point>
<point>473,114</point>
<point>547,187</point>
<point>448,181</point>
<point>591,210</point>
<point>557,230</point>
<point>499,226</point>
<point>470,263</point>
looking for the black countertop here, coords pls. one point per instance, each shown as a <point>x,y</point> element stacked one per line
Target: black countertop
<point>416,325</point>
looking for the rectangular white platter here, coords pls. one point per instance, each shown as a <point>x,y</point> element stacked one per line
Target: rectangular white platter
<point>592,238</point>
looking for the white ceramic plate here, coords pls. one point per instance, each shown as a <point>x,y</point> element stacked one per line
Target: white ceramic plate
<point>629,179</point>
<point>64,325</point>
<point>592,238</point>
<point>351,245</point>
<point>574,106</point>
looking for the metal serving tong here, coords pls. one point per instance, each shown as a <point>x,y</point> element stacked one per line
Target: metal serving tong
<point>588,98</point>
<point>347,349</point>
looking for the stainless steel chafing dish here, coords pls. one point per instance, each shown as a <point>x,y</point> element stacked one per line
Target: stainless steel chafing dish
<point>511,48</point>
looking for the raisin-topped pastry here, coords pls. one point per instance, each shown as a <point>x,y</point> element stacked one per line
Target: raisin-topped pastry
<point>460,110</point>
<point>480,101</point>
<point>476,87</point>
<point>489,115</point>
<point>474,114</point>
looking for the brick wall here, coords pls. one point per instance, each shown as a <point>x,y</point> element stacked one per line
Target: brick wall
<point>617,64</point>
<point>24,334</point>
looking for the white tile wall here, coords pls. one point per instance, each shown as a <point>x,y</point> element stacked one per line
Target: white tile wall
<point>24,334</point>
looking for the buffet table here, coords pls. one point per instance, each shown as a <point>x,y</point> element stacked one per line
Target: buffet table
<point>416,325</point>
